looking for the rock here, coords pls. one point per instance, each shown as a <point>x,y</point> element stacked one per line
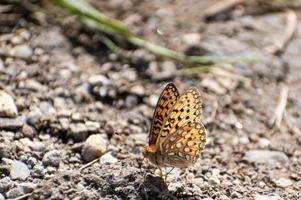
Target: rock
<point>153,99</point>
<point>131,101</point>
<point>38,171</point>
<point>267,197</point>
<point>94,147</point>
<point>46,107</point>
<point>28,131</point>
<point>282,182</point>
<point>263,142</point>
<point>214,180</point>
<point>175,186</point>
<point>21,189</point>
<point>139,138</point>
<point>23,51</point>
<point>208,198</point>
<point>224,197</point>
<point>266,156</point>
<point>162,72</point>
<point>99,80</point>
<point>19,170</point>
<point>34,145</point>
<point>52,158</point>
<point>5,184</point>
<point>78,132</point>
<point>192,39</point>
<point>108,159</point>
<point>32,85</point>
<point>34,116</point>
<point>138,90</point>
<point>8,107</point>
<point>2,197</point>
<point>6,150</point>
<point>59,102</point>
<point>12,123</point>
<point>92,126</point>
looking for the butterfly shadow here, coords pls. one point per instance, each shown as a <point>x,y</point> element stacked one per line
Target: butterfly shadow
<point>154,187</point>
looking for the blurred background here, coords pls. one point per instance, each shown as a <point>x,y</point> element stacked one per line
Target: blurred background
<point>79,81</point>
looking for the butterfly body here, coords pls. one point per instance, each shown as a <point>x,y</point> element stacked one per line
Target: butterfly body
<point>177,135</point>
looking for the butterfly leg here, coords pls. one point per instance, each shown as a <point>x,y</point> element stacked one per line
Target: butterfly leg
<point>168,173</point>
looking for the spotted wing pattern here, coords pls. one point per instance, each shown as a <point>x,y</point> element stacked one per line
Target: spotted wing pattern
<point>183,135</point>
<point>167,100</point>
<point>182,148</point>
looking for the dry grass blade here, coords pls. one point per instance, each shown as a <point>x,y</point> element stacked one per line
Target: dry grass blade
<point>99,22</point>
<point>280,109</point>
<point>88,164</point>
<point>290,30</point>
<point>220,7</point>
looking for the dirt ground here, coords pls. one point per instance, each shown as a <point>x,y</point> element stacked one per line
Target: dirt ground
<point>61,86</point>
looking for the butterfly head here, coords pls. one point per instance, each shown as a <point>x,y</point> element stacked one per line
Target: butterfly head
<point>150,153</point>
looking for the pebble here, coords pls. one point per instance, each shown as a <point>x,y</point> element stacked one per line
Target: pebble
<point>23,51</point>
<point>8,107</point>
<point>138,90</point>
<point>5,184</point>
<point>98,80</point>
<point>224,197</point>
<point>19,170</point>
<point>12,123</point>
<point>175,186</point>
<point>32,85</point>
<point>266,156</point>
<point>267,197</point>
<point>52,158</point>
<point>208,198</point>
<point>21,189</point>
<point>2,197</point>
<point>92,126</point>
<point>166,71</point>
<point>6,150</point>
<point>192,39</point>
<point>153,99</point>
<point>131,101</point>
<point>34,145</point>
<point>94,147</point>
<point>38,171</point>
<point>108,159</point>
<point>214,180</point>
<point>282,182</point>
<point>78,131</point>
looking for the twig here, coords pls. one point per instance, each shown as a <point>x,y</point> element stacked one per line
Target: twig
<point>88,164</point>
<point>23,196</point>
<point>280,109</point>
<point>290,30</point>
<point>291,126</point>
<point>220,7</point>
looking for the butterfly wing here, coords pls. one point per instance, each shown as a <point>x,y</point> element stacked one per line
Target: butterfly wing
<point>167,100</point>
<point>182,148</point>
<point>183,135</point>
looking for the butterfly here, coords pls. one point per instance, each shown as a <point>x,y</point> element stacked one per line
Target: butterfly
<point>177,135</point>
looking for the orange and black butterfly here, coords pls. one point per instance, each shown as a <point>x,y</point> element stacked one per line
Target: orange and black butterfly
<point>177,135</point>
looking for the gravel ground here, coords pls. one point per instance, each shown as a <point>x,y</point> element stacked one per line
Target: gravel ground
<point>66,100</point>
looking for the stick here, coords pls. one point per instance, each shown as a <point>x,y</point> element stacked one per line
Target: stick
<point>290,30</point>
<point>220,7</point>
<point>280,109</point>
<point>88,164</point>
